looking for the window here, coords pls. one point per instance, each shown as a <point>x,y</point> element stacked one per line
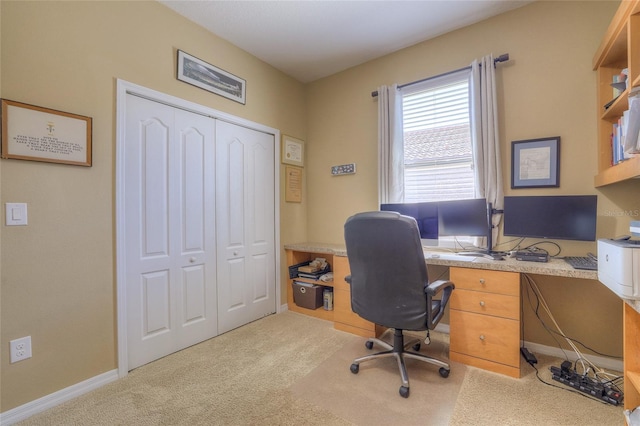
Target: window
<point>438,156</point>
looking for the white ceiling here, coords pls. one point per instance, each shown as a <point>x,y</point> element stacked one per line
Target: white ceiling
<point>309,39</point>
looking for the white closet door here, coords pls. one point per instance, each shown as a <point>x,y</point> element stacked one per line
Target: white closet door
<point>170,230</point>
<point>245,225</point>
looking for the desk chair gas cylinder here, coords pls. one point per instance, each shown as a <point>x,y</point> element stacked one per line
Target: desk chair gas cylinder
<point>390,287</point>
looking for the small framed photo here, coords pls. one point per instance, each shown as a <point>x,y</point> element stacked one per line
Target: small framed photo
<point>35,133</point>
<point>535,163</point>
<point>292,151</point>
<point>208,77</point>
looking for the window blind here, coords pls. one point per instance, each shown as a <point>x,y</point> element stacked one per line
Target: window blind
<point>438,159</point>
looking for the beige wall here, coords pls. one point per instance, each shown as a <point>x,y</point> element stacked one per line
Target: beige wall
<point>58,275</point>
<point>546,89</point>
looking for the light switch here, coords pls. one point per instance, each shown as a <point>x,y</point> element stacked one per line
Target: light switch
<point>16,214</point>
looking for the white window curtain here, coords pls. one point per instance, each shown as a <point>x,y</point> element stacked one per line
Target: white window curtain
<point>484,135</point>
<point>390,146</point>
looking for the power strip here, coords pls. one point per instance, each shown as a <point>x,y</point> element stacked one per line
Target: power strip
<point>586,385</point>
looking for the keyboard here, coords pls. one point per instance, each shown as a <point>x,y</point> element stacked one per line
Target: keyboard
<point>579,262</point>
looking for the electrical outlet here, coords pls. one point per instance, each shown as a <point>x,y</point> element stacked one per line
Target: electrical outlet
<point>20,349</point>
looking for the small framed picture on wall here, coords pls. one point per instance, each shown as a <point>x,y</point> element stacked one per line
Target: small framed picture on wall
<point>535,163</point>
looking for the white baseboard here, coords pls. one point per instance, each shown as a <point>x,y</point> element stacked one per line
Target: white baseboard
<point>442,328</point>
<point>601,361</point>
<point>39,405</point>
<point>606,363</point>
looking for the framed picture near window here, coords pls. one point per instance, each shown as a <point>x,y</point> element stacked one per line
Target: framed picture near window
<point>535,163</point>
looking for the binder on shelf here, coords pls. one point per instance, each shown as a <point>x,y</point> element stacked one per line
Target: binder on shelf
<point>293,269</point>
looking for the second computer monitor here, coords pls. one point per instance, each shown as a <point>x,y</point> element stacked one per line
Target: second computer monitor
<point>464,218</point>
<point>426,214</point>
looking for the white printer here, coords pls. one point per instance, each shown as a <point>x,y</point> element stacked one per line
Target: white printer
<point>619,267</point>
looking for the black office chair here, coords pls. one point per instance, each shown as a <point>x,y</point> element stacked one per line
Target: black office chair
<point>389,285</point>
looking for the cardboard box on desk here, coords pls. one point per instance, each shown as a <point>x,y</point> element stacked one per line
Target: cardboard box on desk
<point>307,295</point>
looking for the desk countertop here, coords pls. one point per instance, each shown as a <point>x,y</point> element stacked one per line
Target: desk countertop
<point>555,267</point>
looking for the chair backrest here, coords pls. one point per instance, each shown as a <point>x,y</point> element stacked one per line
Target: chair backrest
<point>388,269</point>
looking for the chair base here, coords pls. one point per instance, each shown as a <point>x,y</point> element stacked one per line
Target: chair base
<point>399,352</point>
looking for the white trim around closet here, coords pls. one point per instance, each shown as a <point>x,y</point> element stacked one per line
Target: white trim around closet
<point>124,88</point>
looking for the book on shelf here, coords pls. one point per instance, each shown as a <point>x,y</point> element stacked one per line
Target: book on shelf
<point>631,118</point>
<point>625,133</point>
<point>312,275</point>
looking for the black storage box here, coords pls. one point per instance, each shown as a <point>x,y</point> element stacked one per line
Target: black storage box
<point>307,295</point>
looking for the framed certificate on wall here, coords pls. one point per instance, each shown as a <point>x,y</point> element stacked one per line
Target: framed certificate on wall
<point>292,151</point>
<point>293,184</point>
<point>41,134</point>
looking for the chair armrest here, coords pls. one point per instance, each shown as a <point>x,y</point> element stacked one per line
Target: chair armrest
<point>437,286</point>
<point>348,279</point>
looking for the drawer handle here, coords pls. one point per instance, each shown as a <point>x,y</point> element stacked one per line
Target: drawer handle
<point>482,303</point>
<point>482,337</point>
<point>482,281</point>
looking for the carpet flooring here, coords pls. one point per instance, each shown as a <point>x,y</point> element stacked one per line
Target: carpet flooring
<point>291,369</point>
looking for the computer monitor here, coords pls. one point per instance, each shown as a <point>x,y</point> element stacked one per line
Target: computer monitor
<point>562,217</point>
<point>426,214</point>
<point>470,217</point>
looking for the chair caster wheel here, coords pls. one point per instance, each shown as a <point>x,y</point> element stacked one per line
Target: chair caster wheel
<point>404,391</point>
<point>369,344</point>
<point>416,347</point>
<point>355,368</point>
<point>443,372</point>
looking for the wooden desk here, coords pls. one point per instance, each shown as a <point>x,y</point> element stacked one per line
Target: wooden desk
<point>484,312</point>
<point>631,333</point>
<point>342,316</point>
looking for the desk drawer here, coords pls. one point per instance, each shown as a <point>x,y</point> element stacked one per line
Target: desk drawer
<point>498,305</point>
<point>486,337</point>
<point>500,282</point>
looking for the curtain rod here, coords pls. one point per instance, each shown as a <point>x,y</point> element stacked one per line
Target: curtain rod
<point>502,58</point>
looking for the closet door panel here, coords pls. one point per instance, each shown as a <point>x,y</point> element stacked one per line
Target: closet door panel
<point>245,224</point>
